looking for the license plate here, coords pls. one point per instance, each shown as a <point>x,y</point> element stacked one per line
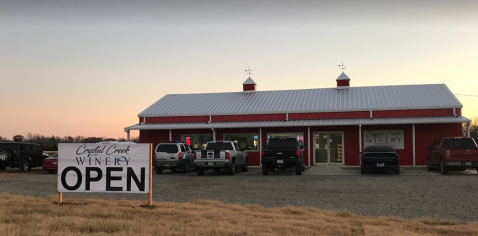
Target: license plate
<point>55,163</point>
<point>467,163</point>
<point>280,161</point>
<point>380,164</point>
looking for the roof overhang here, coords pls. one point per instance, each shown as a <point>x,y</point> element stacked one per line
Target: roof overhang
<point>323,122</point>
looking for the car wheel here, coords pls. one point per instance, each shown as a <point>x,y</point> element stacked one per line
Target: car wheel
<point>5,156</point>
<point>186,167</point>
<point>2,168</point>
<point>429,168</point>
<point>158,170</point>
<point>298,169</point>
<point>363,170</point>
<point>174,169</point>
<point>443,168</point>
<point>231,170</point>
<point>397,170</point>
<point>25,166</point>
<point>200,171</point>
<point>265,170</point>
<point>246,166</point>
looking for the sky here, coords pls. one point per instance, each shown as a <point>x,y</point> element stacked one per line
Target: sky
<point>89,67</point>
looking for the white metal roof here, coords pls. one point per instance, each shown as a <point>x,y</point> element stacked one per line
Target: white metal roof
<point>400,97</point>
<point>323,122</point>
<point>343,76</point>
<point>249,81</point>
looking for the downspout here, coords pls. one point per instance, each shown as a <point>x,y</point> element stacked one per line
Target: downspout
<point>454,112</point>
<point>360,142</point>
<point>287,116</point>
<point>371,115</point>
<point>210,119</point>
<point>468,124</point>
<point>260,146</point>
<point>413,136</point>
<point>308,144</point>
<point>144,120</point>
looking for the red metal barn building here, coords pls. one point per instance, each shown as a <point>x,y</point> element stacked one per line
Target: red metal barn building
<point>333,123</point>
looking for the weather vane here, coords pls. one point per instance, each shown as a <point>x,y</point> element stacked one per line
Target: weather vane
<point>248,71</point>
<point>342,67</point>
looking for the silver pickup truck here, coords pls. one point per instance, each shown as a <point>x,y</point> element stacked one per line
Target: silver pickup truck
<point>221,155</point>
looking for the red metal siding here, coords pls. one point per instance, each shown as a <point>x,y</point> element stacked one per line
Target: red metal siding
<point>341,83</point>
<point>406,154</point>
<point>413,113</point>
<point>426,134</point>
<point>264,117</point>
<point>458,111</point>
<point>328,115</point>
<point>177,119</point>
<point>248,87</point>
<point>351,142</point>
<point>153,136</point>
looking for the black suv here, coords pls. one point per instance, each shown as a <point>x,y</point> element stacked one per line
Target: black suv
<point>21,155</point>
<point>282,153</point>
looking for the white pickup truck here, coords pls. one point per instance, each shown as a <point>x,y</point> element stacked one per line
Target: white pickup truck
<point>221,155</point>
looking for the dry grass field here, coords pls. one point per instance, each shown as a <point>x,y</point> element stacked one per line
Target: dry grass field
<point>22,215</point>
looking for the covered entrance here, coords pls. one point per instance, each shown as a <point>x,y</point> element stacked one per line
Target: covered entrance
<point>328,148</point>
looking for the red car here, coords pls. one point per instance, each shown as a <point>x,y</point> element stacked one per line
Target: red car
<point>50,164</point>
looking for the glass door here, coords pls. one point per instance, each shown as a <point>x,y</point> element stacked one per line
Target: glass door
<point>328,147</point>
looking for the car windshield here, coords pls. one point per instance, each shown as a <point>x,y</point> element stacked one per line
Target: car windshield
<point>459,143</point>
<point>219,146</point>
<point>282,143</point>
<point>55,155</point>
<point>169,148</point>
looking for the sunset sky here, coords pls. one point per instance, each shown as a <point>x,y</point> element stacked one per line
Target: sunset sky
<point>89,67</point>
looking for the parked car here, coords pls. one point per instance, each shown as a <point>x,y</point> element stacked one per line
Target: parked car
<point>21,155</point>
<point>221,155</point>
<point>173,155</point>
<point>50,164</point>
<point>379,158</point>
<point>453,153</point>
<point>282,153</point>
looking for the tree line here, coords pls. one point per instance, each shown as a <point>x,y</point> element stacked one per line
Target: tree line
<point>50,143</point>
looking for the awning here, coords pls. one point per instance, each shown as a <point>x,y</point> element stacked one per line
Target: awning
<point>324,122</point>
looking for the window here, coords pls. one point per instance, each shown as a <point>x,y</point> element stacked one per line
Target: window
<point>299,136</point>
<point>198,141</point>
<point>248,141</point>
<point>182,148</point>
<point>36,148</point>
<point>169,148</point>
<point>219,146</point>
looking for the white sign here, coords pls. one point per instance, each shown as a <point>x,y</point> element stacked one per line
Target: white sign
<point>392,138</point>
<point>94,167</point>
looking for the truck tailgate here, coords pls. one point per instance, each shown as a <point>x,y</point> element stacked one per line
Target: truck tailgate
<point>467,154</point>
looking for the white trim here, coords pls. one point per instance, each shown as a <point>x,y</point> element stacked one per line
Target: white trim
<point>170,135</point>
<point>213,134</point>
<point>287,116</point>
<point>454,112</point>
<point>468,133</point>
<point>328,155</point>
<point>308,144</point>
<point>371,114</point>
<point>302,123</point>
<point>210,119</point>
<point>414,143</point>
<point>127,136</point>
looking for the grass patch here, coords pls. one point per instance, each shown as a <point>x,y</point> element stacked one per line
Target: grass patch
<point>26,215</point>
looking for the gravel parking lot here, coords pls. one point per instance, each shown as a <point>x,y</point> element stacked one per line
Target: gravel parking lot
<point>414,193</point>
